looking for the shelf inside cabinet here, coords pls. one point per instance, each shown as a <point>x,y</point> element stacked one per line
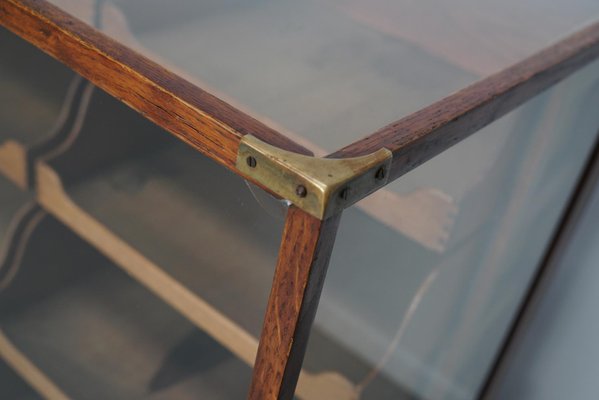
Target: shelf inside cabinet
<point>36,94</point>
<point>96,333</point>
<point>186,228</point>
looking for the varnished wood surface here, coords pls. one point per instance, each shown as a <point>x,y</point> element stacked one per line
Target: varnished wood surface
<point>304,255</point>
<point>204,252</point>
<point>424,215</point>
<point>215,292</point>
<point>426,133</point>
<point>348,65</point>
<point>200,119</point>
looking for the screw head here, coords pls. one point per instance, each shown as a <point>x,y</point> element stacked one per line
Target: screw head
<point>251,161</point>
<point>380,174</point>
<point>344,193</point>
<point>301,191</point>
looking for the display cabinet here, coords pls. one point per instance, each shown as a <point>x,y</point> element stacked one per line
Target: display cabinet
<point>177,181</point>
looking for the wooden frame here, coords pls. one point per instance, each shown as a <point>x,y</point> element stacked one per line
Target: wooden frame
<point>306,248</point>
<point>215,129</point>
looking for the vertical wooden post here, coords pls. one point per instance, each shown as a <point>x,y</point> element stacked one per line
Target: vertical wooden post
<point>304,256</point>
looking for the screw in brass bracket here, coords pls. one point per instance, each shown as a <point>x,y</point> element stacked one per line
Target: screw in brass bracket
<point>320,186</point>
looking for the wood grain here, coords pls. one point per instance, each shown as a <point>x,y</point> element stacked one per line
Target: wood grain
<point>158,280</point>
<point>123,199</point>
<point>420,136</point>
<point>193,115</point>
<point>425,215</point>
<point>304,256</point>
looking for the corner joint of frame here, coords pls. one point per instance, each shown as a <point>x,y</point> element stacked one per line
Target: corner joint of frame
<point>322,187</point>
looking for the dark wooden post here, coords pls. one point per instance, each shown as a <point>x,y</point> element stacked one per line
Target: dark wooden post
<point>304,256</point>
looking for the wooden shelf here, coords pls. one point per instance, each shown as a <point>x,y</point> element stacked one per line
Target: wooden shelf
<point>95,333</point>
<point>184,227</point>
<point>37,94</point>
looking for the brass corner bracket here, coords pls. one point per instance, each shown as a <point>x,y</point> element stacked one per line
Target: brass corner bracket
<point>320,186</point>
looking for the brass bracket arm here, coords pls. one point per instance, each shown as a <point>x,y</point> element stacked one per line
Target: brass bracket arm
<point>320,186</point>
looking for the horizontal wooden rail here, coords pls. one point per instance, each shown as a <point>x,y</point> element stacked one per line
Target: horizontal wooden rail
<point>422,135</point>
<point>215,128</point>
<point>207,123</point>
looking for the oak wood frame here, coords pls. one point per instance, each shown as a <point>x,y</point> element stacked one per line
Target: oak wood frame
<point>306,248</point>
<point>215,128</point>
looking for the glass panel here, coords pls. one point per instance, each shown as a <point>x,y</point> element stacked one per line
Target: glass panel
<point>155,281</point>
<point>151,202</point>
<point>95,333</point>
<point>556,357</point>
<point>32,90</point>
<point>425,321</point>
<point>328,72</point>
<point>35,95</point>
<point>13,387</point>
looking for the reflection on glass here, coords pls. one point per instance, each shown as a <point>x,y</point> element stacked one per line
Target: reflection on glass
<point>35,95</point>
<point>328,72</point>
<point>144,270</point>
<point>556,355</point>
<point>74,325</point>
<point>427,322</point>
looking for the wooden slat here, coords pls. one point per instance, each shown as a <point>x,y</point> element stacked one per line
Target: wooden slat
<point>28,371</point>
<point>190,266</point>
<point>200,312</point>
<point>193,115</point>
<point>420,136</point>
<point>62,312</point>
<point>299,276</point>
<point>478,36</point>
